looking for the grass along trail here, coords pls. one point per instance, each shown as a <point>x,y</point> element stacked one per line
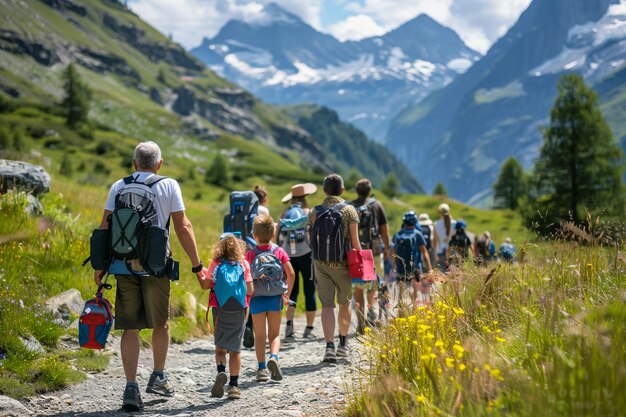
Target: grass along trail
<point>309,387</point>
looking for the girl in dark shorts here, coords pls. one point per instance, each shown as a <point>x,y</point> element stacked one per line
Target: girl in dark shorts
<point>230,283</point>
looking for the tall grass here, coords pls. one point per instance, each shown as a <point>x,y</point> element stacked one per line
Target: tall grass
<point>545,337</point>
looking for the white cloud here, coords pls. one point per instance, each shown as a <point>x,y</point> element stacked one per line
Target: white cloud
<point>478,22</point>
<point>355,28</point>
<point>191,20</point>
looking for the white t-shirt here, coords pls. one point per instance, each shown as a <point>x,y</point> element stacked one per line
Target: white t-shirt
<point>442,239</point>
<point>168,197</point>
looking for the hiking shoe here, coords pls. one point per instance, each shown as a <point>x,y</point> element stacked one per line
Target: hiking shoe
<point>132,399</point>
<point>248,337</point>
<point>274,368</point>
<point>307,332</point>
<point>218,386</point>
<point>343,351</point>
<point>289,332</point>
<point>330,356</point>
<point>234,392</point>
<point>262,375</point>
<point>160,386</point>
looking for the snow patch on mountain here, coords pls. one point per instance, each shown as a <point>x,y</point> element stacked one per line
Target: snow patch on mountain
<point>583,40</point>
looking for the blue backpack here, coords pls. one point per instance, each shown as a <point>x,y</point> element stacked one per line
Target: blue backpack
<point>292,235</point>
<point>229,286</point>
<point>405,244</point>
<point>268,273</point>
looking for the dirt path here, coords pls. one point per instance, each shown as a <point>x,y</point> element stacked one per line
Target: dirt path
<point>310,388</point>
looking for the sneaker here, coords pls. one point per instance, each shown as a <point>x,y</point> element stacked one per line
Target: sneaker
<point>359,329</point>
<point>330,355</point>
<point>160,386</point>
<point>262,375</point>
<point>218,386</point>
<point>234,392</point>
<point>248,337</point>
<point>132,399</point>
<point>289,332</point>
<point>274,369</point>
<point>307,332</point>
<point>343,351</point>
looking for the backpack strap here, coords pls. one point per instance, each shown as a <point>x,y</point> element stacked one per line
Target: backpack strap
<point>154,179</point>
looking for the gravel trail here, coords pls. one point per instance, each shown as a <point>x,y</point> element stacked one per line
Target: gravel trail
<point>309,388</point>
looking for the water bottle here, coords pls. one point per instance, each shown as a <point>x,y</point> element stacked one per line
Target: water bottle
<point>292,243</point>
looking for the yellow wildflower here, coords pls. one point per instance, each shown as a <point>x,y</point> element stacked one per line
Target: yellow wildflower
<point>438,343</point>
<point>450,362</point>
<point>414,343</point>
<point>461,367</point>
<point>425,358</point>
<point>501,340</point>
<point>421,399</point>
<point>367,330</point>
<point>458,311</point>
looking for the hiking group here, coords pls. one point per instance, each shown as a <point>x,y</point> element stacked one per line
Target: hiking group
<point>256,267</point>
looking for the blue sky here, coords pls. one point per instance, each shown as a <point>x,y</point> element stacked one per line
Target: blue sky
<point>478,22</point>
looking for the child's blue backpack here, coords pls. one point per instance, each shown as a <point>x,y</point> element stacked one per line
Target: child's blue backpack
<point>268,273</point>
<point>405,243</point>
<point>95,321</point>
<point>244,207</point>
<point>229,286</point>
<point>292,235</point>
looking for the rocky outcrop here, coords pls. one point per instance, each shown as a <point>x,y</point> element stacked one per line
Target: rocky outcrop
<point>170,53</point>
<point>294,138</point>
<point>236,97</point>
<point>14,43</point>
<point>69,5</point>
<point>22,176</point>
<point>102,62</point>
<point>231,119</point>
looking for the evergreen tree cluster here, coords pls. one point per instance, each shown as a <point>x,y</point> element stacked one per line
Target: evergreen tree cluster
<point>77,96</point>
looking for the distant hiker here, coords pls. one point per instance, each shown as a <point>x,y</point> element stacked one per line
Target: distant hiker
<point>444,229</point>
<point>334,230</point>
<point>428,231</point>
<point>273,277</point>
<point>411,256</point>
<point>292,236</point>
<point>484,249</point>
<point>142,300</point>
<point>264,199</point>
<point>460,245</point>
<point>230,283</point>
<point>507,250</point>
<point>374,235</point>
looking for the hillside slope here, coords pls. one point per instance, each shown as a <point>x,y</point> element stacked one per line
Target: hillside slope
<point>147,87</point>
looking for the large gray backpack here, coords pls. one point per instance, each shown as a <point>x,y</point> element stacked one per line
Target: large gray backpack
<point>268,273</point>
<point>134,226</point>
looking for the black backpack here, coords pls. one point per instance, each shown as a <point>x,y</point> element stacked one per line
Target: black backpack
<point>327,235</point>
<point>134,229</point>
<point>460,243</point>
<point>426,234</point>
<point>368,222</point>
<point>244,207</point>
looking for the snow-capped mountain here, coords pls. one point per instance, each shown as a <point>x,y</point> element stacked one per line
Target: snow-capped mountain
<point>463,133</point>
<point>283,60</point>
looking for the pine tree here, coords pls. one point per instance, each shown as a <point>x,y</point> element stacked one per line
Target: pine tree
<point>76,100</point>
<point>440,190</point>
<point>580,165</point>
<point>218,174</point>
<point>390,186</point>
<point>511,185</point>
<point>66,168</point>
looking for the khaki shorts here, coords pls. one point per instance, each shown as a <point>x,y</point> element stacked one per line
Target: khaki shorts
<point>331,281</point>
<point>141,302</point>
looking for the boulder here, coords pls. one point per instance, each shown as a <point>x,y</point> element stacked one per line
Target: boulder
<point>12,408</point>
<point>23,176</point>
<point>64,305</point>
<point>32,345</point>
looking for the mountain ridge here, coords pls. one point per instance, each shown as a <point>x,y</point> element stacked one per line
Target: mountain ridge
<point>365,81</point>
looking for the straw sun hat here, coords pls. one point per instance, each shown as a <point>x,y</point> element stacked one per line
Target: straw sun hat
<point>300,190</point>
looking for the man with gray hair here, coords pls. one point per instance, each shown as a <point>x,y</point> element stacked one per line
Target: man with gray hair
<point>142,300</point>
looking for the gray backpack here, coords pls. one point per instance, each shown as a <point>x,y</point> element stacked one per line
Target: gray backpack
<point>292,235</point>
<point>268,274</point>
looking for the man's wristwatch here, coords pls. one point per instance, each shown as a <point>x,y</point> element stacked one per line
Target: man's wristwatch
<point>198,268</point>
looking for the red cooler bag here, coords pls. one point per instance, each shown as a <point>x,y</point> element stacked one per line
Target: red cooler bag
<point>361,264</point>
